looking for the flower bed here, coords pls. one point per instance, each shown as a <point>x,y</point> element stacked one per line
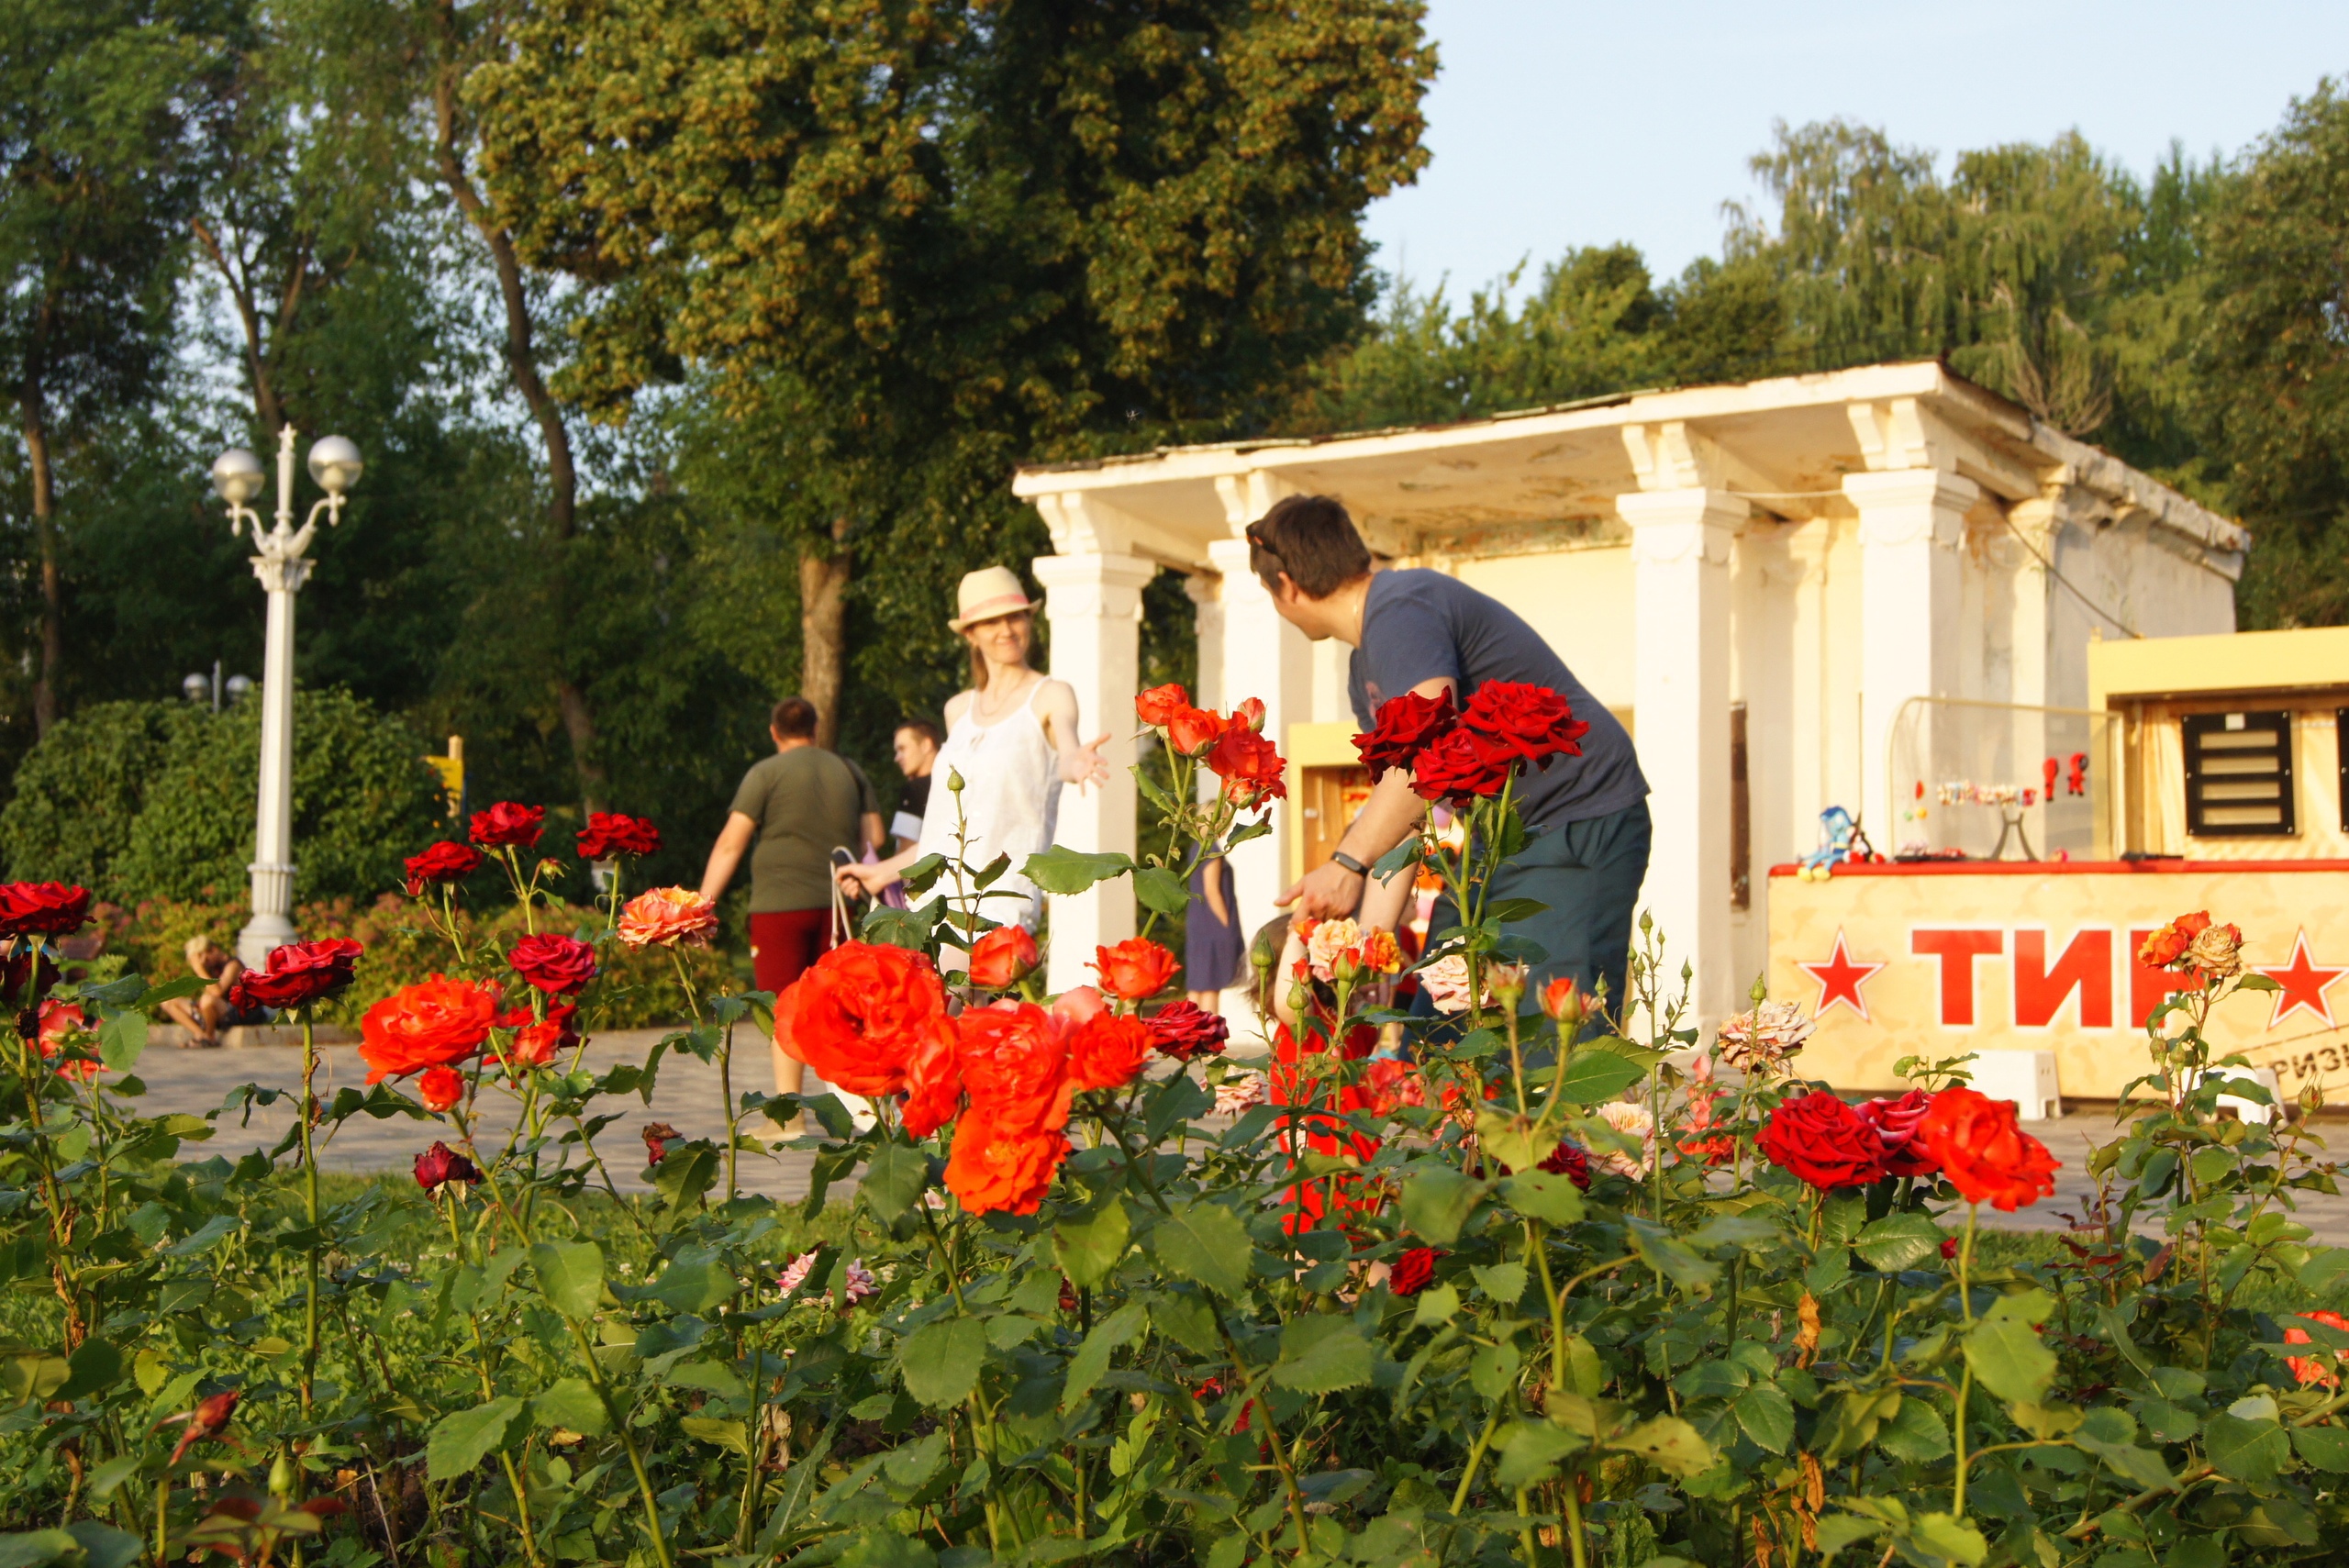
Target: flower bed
<point>1560,1282</point>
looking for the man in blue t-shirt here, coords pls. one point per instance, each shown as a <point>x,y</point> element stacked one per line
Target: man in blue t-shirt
<point>1425,632</point>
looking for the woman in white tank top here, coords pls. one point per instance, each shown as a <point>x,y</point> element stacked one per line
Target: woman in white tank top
<point>1012,740</point>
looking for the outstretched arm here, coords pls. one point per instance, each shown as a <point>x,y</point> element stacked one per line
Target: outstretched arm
<point>1081,762</point>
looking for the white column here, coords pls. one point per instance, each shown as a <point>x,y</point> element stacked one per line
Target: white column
<point>1267,659</point>
<point>1911,523</point>
<point>1680,550</point>
<point>1093,602</point>
<point>282,569</point>
<point>1205,590</point>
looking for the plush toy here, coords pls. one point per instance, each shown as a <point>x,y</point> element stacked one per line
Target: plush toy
<point>1839,841</point>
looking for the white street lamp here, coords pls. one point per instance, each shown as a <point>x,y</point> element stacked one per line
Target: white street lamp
<point>281,565</point>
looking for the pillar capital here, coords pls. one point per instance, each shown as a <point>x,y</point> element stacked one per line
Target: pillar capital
<point>1907,505</point>
<point>1093,584</point>
<point>1668,526</point>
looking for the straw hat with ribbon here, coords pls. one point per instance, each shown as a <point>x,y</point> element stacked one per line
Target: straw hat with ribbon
<point>984,595</point>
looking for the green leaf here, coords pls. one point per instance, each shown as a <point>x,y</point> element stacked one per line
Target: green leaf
<point>1512,1141</point>
<point>1204,1243</point>
<point>2245,1450</point>
<point>571,1403</point>
<point>106,1546</point>
<point>1187,1320</point>
<point>1668,1443</point>
<point>696,1282</point>
<point>1668,1255</point>
<point>1837,1531</point>
<point>941,1360</point>
<point>463,1441</point>
<point>894,1180</point>
<point>884,1547</point>
<point>1545,1196</point>
<point>1437,1202</point>
<point>1593,1074</point>
<point>685,1172</point>
<point>2325,1271</point>
<point>1437,1303</point>
<point>1503,1284</point>
<point>113,1473</point>
<point>1898,1241</point>
<point>1766,1416</point>
<point>1531,1451</point>
<point>122,1039</point>
<point>33,1549</point>
<point>2005,1352</point>
<point>1087,1250</point>
<point>1321,1352</point>
<point>1110,1335</point>
<point>1065,870</point>
<point>94,1365</point>
<point>1158,888</point>
<point>1950,1537</point>
<point>1915,1435</point>
<point>570,1274</point>
<point>2327,1447</point>
<point>218,1228</point>
<point>733,1435</point>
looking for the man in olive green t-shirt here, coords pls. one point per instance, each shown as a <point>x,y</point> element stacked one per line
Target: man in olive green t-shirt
<point>797,806</point>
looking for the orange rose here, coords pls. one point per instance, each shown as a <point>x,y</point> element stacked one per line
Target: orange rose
<point>2166,946</point>
<point>1158,705</point>
<point>1014,1057</point>
<point>1002,958</point>
<point>441,1088</point>
<point>1107,1051</point>
<point>667,915</point>
<point>1982,1152</point>
<point>2316,1368</point>
<point>1249,766</point>
<point>1000,1162</point>
<point>1135,968</point>
<point>60,1021</point>
<point>433,1023</point>
<point>933,1083</point>
<point>1191,730</point>
<point>859,1014</point>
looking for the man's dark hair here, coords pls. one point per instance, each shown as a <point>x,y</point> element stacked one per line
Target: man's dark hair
<point>794,718</point>
<point>924,728</point>
<point>1312,539</point>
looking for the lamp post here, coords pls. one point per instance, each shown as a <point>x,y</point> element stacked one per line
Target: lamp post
<point>282,564</point>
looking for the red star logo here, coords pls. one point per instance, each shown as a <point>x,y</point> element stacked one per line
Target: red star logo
<point>2303,984</point>
<point>1840,979</point>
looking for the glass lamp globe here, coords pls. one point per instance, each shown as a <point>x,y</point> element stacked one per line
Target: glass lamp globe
<point>237,476</point>
<point>335,464</point>
<point>237,686</point>
<point>197,688</point>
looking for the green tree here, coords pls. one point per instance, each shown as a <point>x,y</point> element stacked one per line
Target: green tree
<point>946,233</point>
<point>363,797</point>
<point>93,161</point>
<point>81,789</point>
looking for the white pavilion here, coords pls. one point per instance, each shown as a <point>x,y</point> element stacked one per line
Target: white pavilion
<point>1771,569</point>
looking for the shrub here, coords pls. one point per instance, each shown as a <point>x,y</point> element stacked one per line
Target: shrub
<point>79,791</point>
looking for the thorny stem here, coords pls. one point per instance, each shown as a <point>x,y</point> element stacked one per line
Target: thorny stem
<point>309,1110</point>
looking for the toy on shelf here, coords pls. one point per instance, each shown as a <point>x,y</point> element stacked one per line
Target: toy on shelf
<point>1841,839</point>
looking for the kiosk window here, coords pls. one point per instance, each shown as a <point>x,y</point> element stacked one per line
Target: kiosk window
<point>2238,774</point>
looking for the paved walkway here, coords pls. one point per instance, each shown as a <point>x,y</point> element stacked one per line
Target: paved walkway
<point>687,1098</point>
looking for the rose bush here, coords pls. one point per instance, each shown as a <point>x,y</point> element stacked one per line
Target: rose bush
<point>1553,1279</point>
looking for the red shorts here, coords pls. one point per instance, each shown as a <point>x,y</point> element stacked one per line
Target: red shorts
<point>784,942</point>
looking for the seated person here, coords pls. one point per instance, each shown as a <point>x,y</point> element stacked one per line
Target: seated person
<point>204,1016</point>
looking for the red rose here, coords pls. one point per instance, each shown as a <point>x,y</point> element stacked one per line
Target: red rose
<point>560,966</point>
<point>1412,1271</point>
<point>2315,1368</point>
<point>859,1013</point>
<point>297,974</point>
<point>1107,1051</point>
<point>441,1087</point>
<point>933,1084</point>
<point>1158,705</point>
<point>1462,766</point>
<point>1982,1152</point>
<point>60,1021</point>
<point>1404,727</point>
<point>1824,1141</point>
<point>443,862</point>
<point>1184,1029</point>
<point>1572,1161</point>
<point>1249,766</point>
<point>1250,711</point>
<point>209,1420</point>
<point>509,823</point>
<point>1895,1128</point>
<point>1135,968</point>
<point>1014,1061</point>
<point>1526,722</point>
<point>535,1045</point>
<point>609,834</point>
<point>433,1023</point>
<point>1000,1162</point>
<point>1003,958</point>
<point>657,1135</point>
<point>1949,1248</point>
<point>440,1164</point>
<point>1191,730</point>
<point>42,909</point>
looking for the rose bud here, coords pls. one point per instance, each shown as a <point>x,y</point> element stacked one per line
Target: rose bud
<point>440,1164</point>
<point>1003,958</point>
<point>1563,1000</point>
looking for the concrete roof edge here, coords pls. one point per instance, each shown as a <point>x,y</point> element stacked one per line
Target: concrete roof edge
<point>2117,482</point>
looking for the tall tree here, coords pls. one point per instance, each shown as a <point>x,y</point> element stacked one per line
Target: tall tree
<point>94,162</point>
<point>1072,225</point>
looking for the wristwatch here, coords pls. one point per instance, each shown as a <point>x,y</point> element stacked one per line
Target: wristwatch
<point>1348,862</point>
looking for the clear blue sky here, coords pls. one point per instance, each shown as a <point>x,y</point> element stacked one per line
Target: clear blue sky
<point>1571,122</point>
